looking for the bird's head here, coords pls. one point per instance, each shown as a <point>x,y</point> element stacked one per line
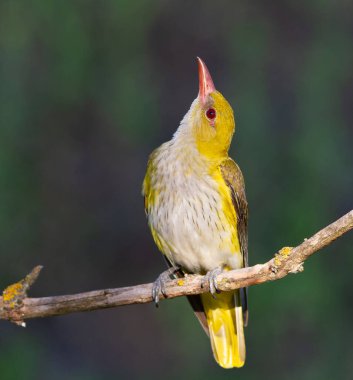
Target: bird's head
<point>211,118</point>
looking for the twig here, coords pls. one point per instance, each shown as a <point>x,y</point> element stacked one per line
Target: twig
<point>16,307</point>
<point>14,295</point>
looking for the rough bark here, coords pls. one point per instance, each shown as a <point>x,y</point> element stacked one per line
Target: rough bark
<point>16,306</point>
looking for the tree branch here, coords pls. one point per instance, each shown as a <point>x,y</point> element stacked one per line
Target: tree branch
<point>16,306</point>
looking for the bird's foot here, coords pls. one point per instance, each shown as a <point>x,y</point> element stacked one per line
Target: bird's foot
<point>210,280</point>
<point>158,287</point>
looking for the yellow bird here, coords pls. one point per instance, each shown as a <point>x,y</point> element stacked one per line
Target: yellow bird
<point>197,211</point>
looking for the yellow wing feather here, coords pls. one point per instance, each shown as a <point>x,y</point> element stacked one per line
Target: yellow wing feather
<point>225,313</point>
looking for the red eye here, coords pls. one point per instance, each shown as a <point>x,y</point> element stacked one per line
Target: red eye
<point>211,113</point>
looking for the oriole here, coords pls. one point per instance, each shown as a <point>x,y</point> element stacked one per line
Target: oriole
<point>197,211</point>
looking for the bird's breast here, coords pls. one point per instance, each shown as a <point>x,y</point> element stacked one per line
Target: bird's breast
<point>192,217</point>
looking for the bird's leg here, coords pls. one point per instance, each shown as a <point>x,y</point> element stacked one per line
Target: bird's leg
<point>159,285</point>
<point>210,279</point>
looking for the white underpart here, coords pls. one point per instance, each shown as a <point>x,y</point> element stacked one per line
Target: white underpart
<point>187,214</point>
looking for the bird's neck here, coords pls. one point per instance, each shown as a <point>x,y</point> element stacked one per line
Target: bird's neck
<point>185,149</point>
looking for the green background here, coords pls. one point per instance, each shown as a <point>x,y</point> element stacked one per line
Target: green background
<point>87,90</point>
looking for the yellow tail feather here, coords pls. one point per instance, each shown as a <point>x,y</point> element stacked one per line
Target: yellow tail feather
<point>225,321</point>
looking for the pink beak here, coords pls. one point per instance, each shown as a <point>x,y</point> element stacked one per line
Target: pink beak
<point>206,85</point>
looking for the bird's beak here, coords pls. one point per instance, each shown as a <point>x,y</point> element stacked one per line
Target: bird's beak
<point>206,85</point>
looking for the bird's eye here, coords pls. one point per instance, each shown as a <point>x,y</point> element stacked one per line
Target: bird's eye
<point>211,113</point>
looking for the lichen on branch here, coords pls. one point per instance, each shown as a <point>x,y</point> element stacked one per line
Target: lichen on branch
<point>16,306</point>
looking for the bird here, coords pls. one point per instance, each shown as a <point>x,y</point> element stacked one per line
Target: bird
<point>197,211</point>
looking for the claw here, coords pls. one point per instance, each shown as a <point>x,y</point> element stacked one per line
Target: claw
<point>158,287</point>
<point>210,279</point>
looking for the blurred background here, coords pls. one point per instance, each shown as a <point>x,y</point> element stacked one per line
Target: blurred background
<point>87,90</point>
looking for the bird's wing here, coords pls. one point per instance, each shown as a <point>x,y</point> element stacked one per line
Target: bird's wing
<point>234,179</point>
<point>147,190</point>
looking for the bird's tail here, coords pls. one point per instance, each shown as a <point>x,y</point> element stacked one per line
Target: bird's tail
<point>226,327</point>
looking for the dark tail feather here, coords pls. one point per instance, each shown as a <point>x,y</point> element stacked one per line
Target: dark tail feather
<point>244,304</point>
<point>196,304</point>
